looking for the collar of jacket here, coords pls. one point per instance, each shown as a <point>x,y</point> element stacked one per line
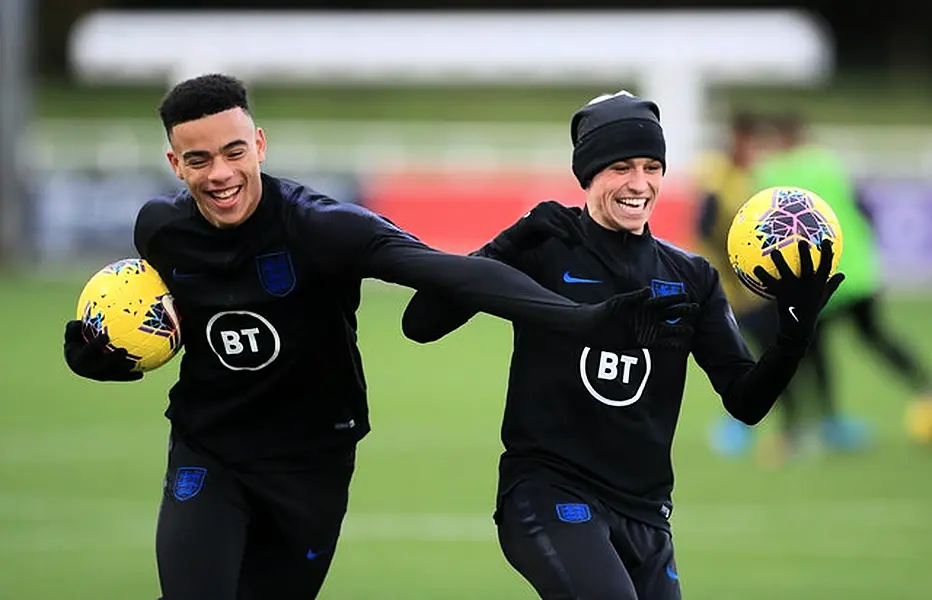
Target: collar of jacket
<point>614,239</point>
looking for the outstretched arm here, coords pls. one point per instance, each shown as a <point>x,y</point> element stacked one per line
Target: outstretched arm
<point>353,240</point>
<point>428,317</point>
<point>495,288</point>
<point>477,283</point>
<point>749,389</point>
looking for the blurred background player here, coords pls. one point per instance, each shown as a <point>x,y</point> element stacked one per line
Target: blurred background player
<point>801,162</point>
<point>724,183</point>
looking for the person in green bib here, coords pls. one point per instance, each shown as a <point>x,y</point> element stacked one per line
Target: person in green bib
<point>801,163</point>
<point>722,178</point>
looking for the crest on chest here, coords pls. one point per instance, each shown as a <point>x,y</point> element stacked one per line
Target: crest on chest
<point>659,287</point>
<point>276,273</point>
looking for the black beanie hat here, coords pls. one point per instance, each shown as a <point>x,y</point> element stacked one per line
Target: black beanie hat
<point>612,128</point>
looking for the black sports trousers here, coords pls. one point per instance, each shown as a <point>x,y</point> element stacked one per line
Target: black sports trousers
<point>867,317</point>
<point>572,547</point>
<point>229,535</point>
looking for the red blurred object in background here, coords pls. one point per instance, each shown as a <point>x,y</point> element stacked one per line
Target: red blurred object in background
<point>459,212</point>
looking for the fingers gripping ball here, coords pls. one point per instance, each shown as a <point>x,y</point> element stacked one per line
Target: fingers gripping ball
<point>777,219</point>
<point>129,302</point>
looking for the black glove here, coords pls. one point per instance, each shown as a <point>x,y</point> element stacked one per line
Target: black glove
<point>801,299</point>
<point>646,320</point>
<point>93,359</point>
<point>547,220</point>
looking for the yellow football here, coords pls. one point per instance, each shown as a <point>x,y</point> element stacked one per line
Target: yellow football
<point>919,421</point>
<point>129,302</point>
<point>777,219</point>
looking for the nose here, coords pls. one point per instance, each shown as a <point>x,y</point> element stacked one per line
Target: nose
<point>220,171</point>
<point>637,182</point>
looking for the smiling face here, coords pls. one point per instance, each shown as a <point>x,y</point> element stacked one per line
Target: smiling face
<point>218,157</point>
<point>623,195</point>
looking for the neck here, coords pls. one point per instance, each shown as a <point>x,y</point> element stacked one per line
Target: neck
<point>220,225</point>
<point>605,223</point>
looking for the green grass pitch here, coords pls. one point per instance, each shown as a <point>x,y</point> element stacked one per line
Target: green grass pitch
<point>81,465</point>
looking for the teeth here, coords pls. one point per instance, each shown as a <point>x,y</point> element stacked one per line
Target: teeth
<point>632,202</point>
<point>224,194</point>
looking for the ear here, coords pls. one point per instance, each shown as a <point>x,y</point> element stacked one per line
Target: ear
<point>174,163</point>
<point>260,144</point>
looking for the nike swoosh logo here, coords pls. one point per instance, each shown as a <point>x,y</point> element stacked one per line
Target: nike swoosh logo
<point>570,279</point>
<point>311,555</point>
<point>792,311</point>
<point>671,573</point>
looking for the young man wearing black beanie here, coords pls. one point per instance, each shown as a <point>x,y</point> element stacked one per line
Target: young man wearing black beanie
<point>585,481</point>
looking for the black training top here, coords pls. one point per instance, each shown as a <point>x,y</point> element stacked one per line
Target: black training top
<point>602,418</point>
<point>271,375</point>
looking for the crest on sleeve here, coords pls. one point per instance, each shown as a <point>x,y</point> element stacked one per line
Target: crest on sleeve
<point>276,273</point>
<point>659,287</point>
<point>188,482</point>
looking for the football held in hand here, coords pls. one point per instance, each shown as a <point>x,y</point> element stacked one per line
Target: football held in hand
<point>778,219</point>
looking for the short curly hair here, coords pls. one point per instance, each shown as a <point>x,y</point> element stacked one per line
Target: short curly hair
<point>201,97</point>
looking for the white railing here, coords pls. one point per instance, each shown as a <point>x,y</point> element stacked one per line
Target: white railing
<point>690,50</point>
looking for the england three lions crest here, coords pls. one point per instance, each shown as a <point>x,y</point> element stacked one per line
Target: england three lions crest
<point>659,287</point>
<point>188,482</point>
<point>276,273</point>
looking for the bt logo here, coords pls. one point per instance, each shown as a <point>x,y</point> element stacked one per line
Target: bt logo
<point>243,340</point>
<point>615,379</point>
